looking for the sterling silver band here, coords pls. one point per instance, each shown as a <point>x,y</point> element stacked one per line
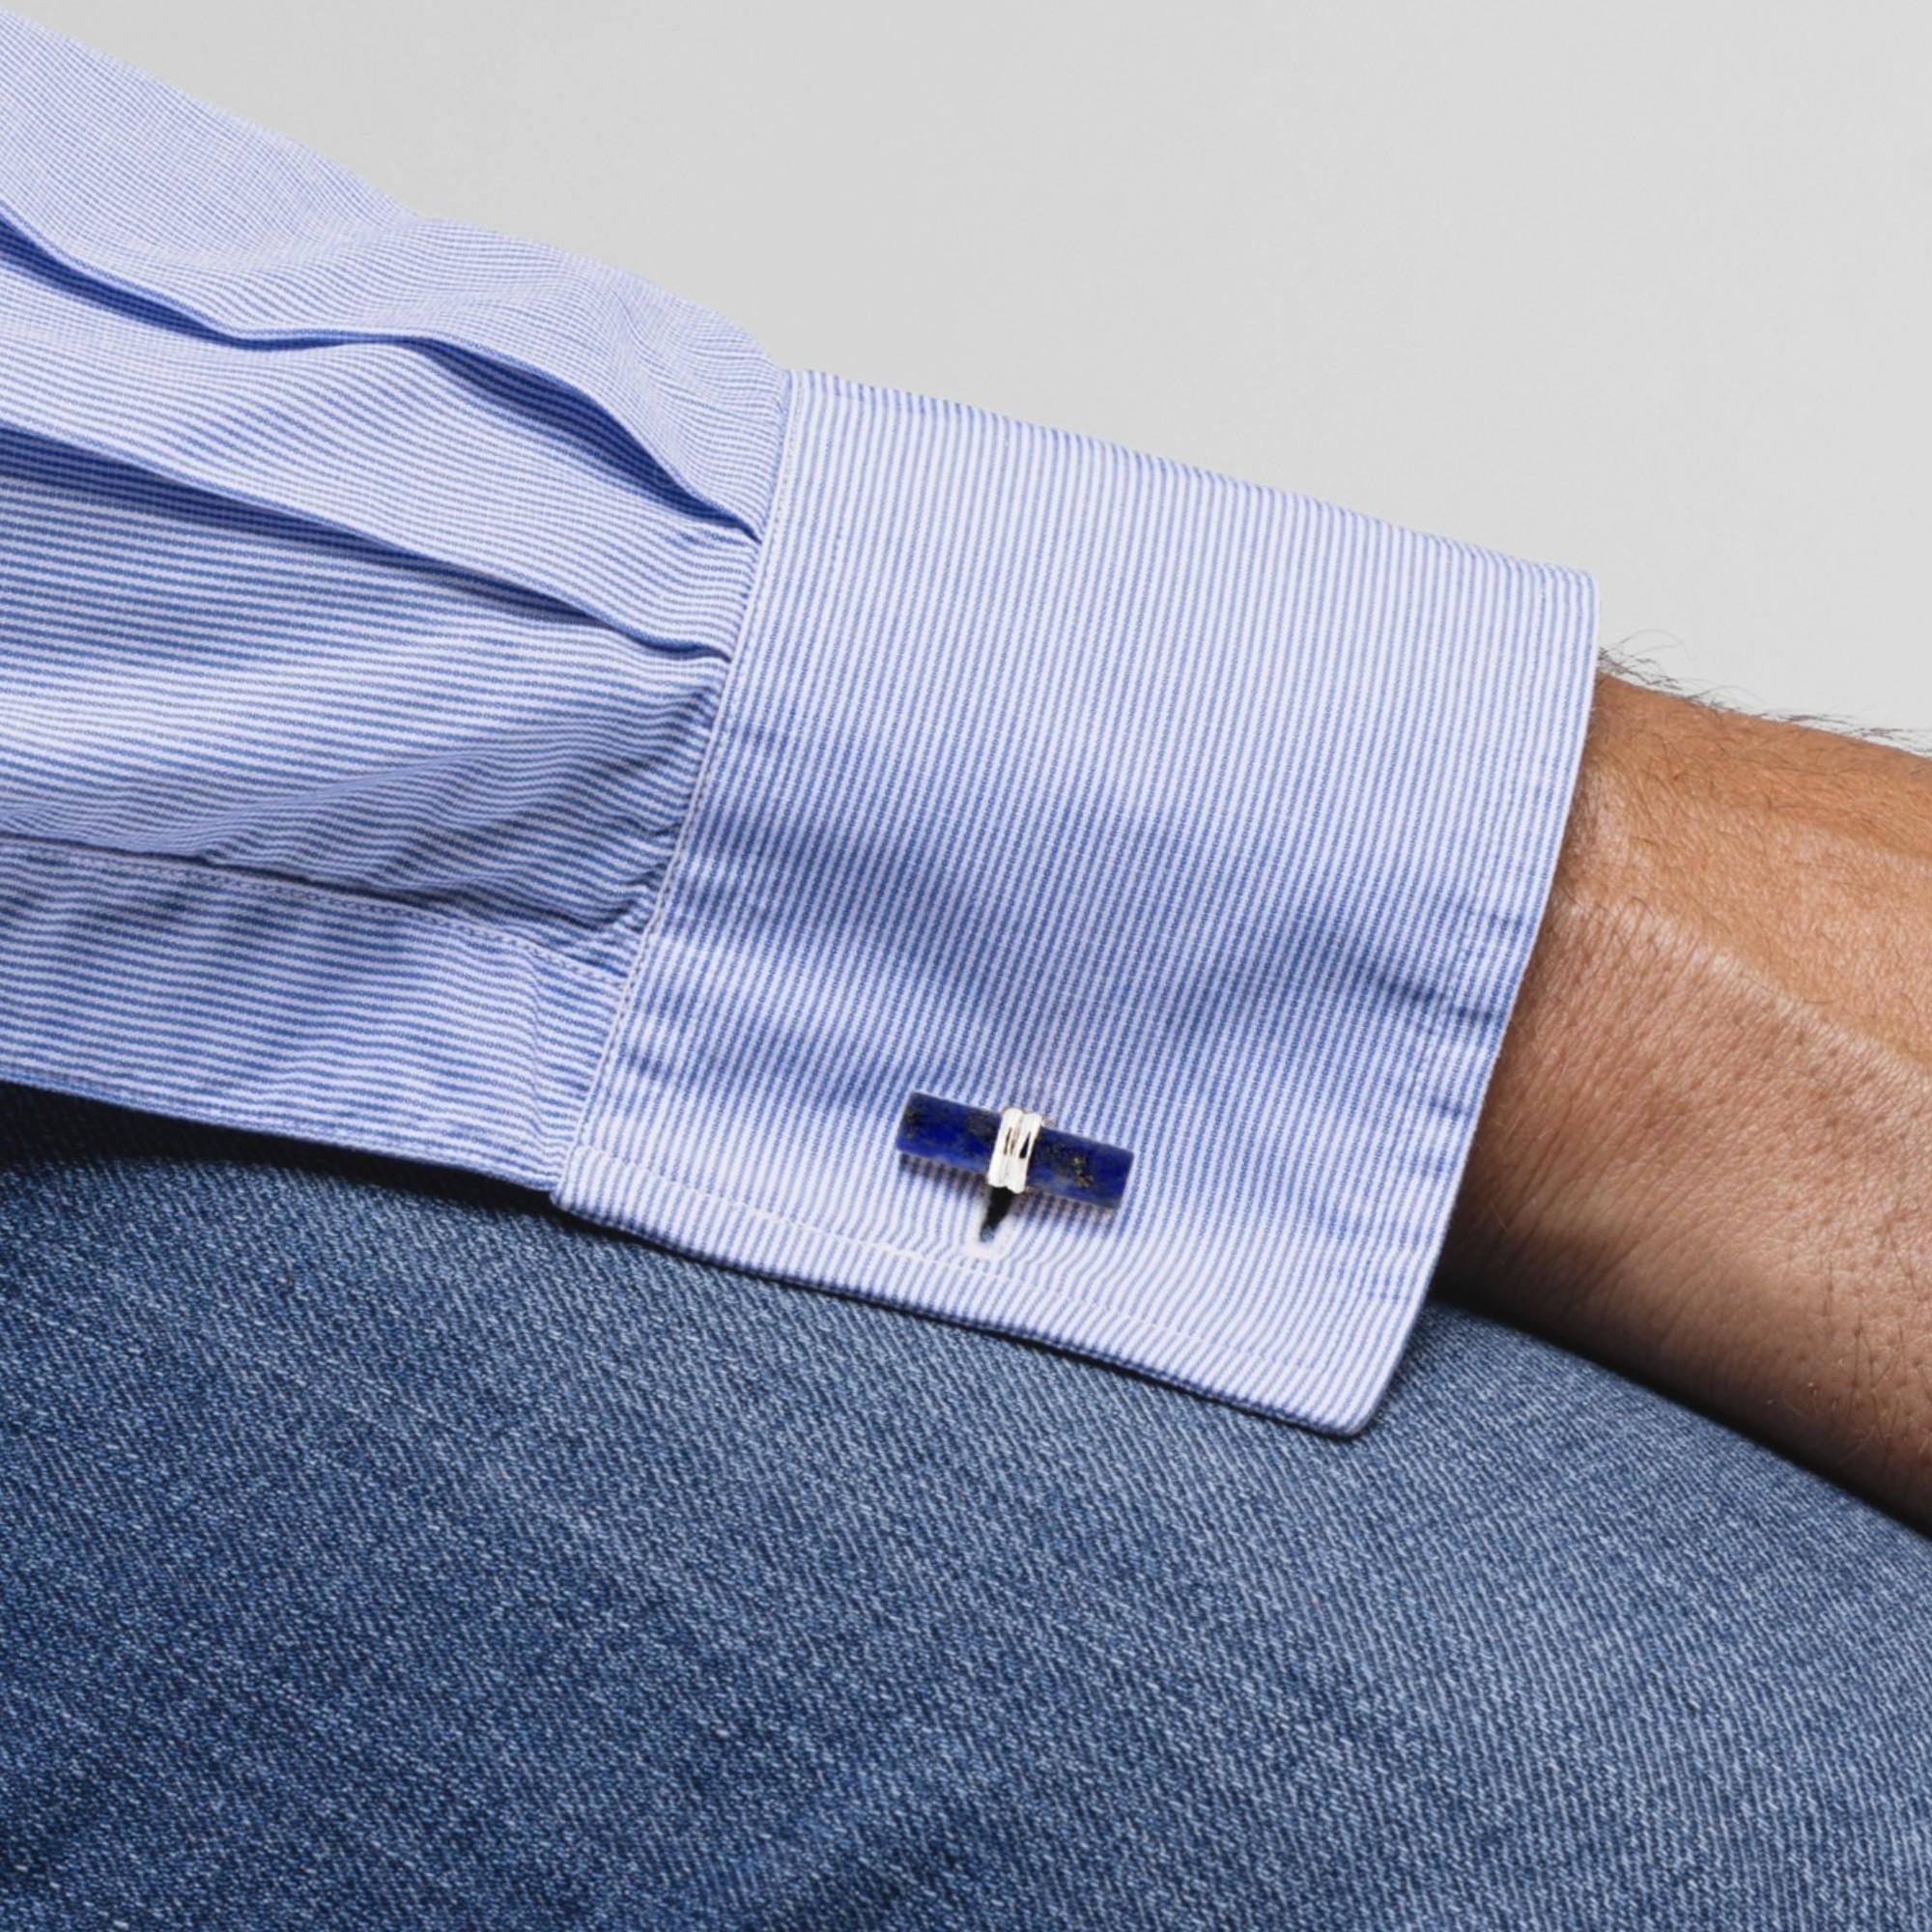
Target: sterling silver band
<point>1012,1148</point>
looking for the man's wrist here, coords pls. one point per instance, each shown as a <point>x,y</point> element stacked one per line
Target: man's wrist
<point>1704,1147</point>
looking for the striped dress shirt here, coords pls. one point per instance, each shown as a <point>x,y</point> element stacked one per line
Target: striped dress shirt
<point>460,701</point>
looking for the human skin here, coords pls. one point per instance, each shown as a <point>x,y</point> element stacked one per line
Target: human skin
<point>1706,1147</point>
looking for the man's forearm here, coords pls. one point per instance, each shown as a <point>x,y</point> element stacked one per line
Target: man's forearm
<point>1705,1150</point>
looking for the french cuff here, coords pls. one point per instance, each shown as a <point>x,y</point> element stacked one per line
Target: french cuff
<point>1205,821</point>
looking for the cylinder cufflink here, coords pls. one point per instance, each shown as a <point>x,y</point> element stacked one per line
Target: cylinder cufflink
<point>1013,1147</point>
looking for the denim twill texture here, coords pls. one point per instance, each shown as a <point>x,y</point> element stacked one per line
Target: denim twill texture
<point>380,1549</point>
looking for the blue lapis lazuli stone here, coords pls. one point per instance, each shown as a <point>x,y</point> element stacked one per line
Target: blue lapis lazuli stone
<point>942,1130</point>
<point>1079,1170</point>
<point>1062,1165</point>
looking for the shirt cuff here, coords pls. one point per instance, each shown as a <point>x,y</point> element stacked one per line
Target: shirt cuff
<point>1210,821</point>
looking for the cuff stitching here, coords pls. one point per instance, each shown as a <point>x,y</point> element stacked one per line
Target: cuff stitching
<point>61,856</point>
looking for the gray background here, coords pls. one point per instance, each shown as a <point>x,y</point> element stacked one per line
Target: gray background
<point>1642,286</point>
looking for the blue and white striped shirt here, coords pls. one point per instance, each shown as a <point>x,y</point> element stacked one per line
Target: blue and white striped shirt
<point>460,701</point>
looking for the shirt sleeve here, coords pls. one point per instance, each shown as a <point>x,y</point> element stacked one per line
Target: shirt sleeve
<point>459,701</point>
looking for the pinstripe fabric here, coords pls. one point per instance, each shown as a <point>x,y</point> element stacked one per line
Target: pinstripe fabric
<point>457,700</point>
<point>1210,821</point>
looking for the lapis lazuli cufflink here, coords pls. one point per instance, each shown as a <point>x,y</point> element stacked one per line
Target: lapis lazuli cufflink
<point>1015,1150</point>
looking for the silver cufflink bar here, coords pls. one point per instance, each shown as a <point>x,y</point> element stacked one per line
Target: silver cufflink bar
<point>1013,1149</point>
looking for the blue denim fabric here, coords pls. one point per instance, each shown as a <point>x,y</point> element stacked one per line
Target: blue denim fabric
<point>378,1549</point>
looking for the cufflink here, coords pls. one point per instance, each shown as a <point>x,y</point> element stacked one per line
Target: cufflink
<point>1017,1150</point>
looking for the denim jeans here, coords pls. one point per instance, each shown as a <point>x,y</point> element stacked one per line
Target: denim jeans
<point>378,1549</point>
